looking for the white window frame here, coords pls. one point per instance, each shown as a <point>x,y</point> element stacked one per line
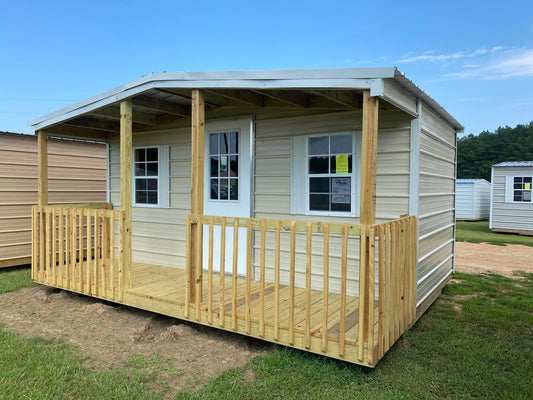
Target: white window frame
<point>239,164</point>
<point>509,189</point>
<point>162,177</point>
<point>300,176</point>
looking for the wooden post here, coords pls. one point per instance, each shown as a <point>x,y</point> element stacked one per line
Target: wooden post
<point>369,147</point>
<point>42,161</point>
<point>369,159</point>
<point>42,143</point>
<point>126,131</point>
<point>197,186</point>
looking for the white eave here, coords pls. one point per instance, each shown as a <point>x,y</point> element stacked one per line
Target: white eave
<point>345,78</point>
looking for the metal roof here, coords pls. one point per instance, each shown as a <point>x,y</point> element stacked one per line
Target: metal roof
<point>515,164</point>
<point>340,79</point>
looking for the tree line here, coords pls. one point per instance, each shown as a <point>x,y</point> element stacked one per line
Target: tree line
<point>476,154</point>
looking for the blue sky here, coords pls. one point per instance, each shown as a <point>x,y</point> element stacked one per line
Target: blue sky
<point>474,58</point>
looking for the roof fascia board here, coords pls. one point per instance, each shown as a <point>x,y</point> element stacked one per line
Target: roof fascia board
<point>394,94</point>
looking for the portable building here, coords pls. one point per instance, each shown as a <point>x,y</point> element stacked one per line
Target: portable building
<point>472,199</point>
<point>310,208</point>
<point>77,174</point>
<point>511,204</point>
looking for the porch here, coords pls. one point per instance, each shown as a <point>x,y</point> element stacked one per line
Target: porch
<point>81,248</point>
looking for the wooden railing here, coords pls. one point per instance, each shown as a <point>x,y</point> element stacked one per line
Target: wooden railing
<point>76,249</point>
<point>386,302</point>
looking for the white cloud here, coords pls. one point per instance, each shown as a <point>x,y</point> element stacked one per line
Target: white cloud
<point>512,64</point>
<point>428,56</point>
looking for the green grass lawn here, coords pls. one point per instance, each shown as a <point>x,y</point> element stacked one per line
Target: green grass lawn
<point>475,342</point>
<point>478,232</point>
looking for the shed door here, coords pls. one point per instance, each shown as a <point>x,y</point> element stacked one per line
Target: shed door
<point>227,186</point>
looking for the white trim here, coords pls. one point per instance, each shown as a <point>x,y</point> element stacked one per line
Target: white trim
<point>163,192</point>
<point>509,189</point>
<point>298,167</point>
<point>491,196</point>
<point>108,173</point>
<point>414,163</point>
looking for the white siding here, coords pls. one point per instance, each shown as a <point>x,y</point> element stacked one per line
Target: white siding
<point>464,200</point>
<point>436,207</point>
<point>510,216</point>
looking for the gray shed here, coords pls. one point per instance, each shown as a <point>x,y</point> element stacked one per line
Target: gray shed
<point>511,208</point>
<point>472,199</point>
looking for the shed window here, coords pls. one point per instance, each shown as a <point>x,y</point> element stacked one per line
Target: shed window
<point>224,165</point>
<point>522,189</point>
<point>146,176</point>
<point>330,177</point>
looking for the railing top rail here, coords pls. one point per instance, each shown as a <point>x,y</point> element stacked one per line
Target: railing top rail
<point>285,225</point>
<point>105,205</point>
<point>86,210</point>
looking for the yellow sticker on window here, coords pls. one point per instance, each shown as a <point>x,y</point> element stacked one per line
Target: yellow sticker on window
<point>341,164</point>
<point>527,185</point>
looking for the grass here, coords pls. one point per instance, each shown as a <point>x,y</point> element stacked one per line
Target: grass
<point>12,279</point>
<point>475,342</point>
<point>479,232</point>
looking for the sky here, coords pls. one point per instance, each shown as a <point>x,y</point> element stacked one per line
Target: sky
<point>473,57</point>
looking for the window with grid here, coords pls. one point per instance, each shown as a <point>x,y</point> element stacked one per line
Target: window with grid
<point>224,162</point>
<point>522,188</point>
<point>330,173</point>
<point>146,175</point>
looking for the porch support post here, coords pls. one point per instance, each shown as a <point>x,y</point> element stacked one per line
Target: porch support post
<point>369,158</point>
<point>125,187</point>
<point>368,217</point>
<point>42,144</point>
<point>197,190</point>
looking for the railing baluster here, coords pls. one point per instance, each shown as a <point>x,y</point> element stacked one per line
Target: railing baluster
<point>121,254</point>
<point>325,290</point>
<point>396,271</point>
<point>104,252</point>
<point>112,254</point>
<point>381,291</point>
<point>262,280</point>
<point>41,244</point>
<point>80,248</point>
<point>371,291</point>
<point>234,271</point>
<point>96,263</point>
<point>388,288</point>
<point>88,252</point>
<point>292,276</point>
<point>222,286</point>
<point>47,246</point>
<point>362,292</point>
<point>276,279</point>
<point>247,317</point>
<point>199,268</point>
<point>188,266</point>
<point>67,247</point>
<point>309,238</point>
<point>73,245</point>
<point>210,273</point>
<point>342,310</point>
<point>34,242</point>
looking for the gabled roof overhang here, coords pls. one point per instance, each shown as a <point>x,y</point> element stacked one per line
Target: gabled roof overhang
<point>161,98</point>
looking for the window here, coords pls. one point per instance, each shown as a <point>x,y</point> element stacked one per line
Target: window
<point>330,177</point>
<point>522,189</point>
<point>224,165</point>
<point>146,176</point>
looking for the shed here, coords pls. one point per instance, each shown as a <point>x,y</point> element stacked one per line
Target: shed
<point>310,208</point>
<point>511,204</point>
<point>472,199</point>
<point>77,174</point>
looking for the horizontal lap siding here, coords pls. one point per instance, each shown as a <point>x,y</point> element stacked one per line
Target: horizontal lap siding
<point>272,196</point>
<point>436,204</point>
<point>511,216</point>
<point>465,200</point>
<point>76,174</point>
<point>158,234</point>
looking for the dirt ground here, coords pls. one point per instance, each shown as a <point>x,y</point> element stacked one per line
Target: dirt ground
<point>181,355</point>
<point>475,258</point>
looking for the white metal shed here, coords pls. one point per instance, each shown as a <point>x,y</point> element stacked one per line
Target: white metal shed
<point>472,199</point>
<point>511,197</point>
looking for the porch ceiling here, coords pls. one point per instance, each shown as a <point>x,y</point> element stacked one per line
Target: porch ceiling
<point>164,98</point>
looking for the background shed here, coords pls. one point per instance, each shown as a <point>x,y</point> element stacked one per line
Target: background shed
<point>511,197</point>
<point>472,199</point>
<point>77,174</point>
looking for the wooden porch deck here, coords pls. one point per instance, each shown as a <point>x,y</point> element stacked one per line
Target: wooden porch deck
<point>163,290</point>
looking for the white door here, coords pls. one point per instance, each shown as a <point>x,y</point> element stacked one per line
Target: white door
<point>227,184</point>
